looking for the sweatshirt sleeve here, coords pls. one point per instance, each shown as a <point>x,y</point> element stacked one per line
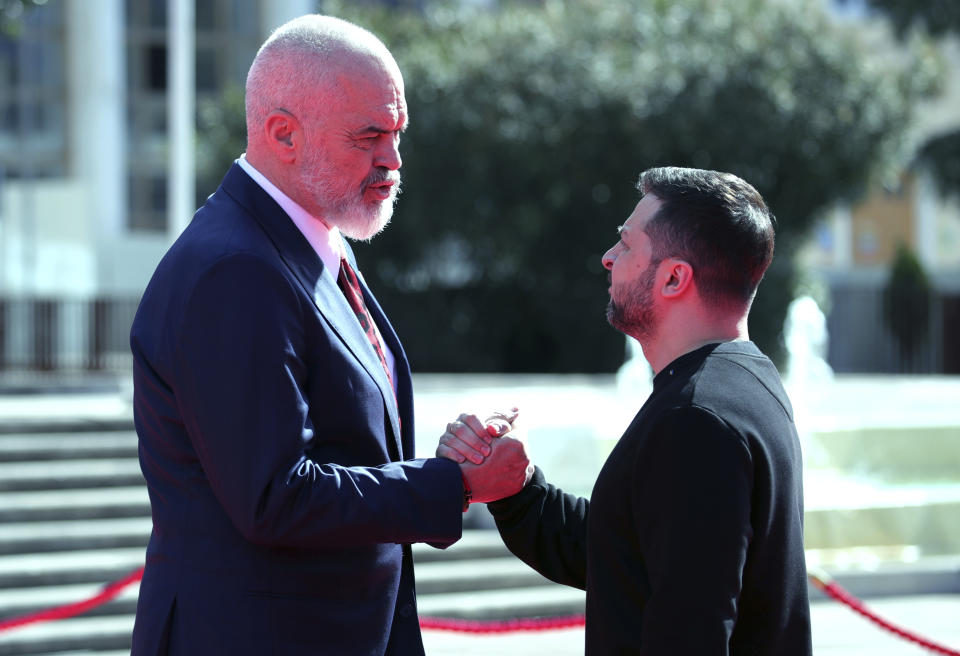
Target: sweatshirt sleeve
<point>547,529</point>
<point>692,502</point>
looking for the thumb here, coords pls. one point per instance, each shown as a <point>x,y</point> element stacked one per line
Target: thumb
<point>498,428</point>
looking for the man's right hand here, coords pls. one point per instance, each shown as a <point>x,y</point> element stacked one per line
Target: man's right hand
<point>506,471</point>
<point>469,439</point>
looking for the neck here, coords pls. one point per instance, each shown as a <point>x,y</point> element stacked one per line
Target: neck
<point>686,334</point>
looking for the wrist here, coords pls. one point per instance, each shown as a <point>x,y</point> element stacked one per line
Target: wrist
<point>467,493</point>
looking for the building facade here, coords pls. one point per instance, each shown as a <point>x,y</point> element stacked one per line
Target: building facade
<point>97,99</point>
<point>97,176</point>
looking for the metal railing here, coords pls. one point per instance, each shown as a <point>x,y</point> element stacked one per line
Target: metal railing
<point>46,334</point>
<point>58,334</point>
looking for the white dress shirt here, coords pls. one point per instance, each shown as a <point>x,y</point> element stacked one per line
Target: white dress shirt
<point>325,240</point>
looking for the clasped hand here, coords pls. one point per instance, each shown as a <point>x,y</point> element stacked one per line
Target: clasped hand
<point>492,458</point>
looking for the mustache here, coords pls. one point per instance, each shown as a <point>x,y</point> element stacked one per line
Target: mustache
<point>380,175</point>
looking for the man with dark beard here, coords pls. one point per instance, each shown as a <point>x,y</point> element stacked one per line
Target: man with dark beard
<point>692,540</point>
<point>272,397</point>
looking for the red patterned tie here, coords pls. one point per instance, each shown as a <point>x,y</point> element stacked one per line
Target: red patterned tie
<point>350,287</point>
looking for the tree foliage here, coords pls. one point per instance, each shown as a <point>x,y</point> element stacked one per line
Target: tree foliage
<point>530,125</point>
<point>12,13</point>
<point>938,17</point>
<point>942,156</point>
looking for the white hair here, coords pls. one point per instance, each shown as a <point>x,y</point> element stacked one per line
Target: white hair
<point>301,56</point>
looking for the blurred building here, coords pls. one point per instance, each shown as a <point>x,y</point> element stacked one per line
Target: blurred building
<point>96,161</point>
<point>97,176</point>
<point>852,248</point>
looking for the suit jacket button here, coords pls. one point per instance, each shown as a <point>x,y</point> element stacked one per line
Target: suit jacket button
<point>406,610</point>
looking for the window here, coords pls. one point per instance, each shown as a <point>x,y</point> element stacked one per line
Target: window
<point>32,120</point>
<point>227,38</point>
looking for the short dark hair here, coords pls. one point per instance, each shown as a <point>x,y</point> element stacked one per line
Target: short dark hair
<point>716,222</point>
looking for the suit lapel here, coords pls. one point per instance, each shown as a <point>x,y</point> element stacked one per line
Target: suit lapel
<point>319,283</point>
<point>401,390</point>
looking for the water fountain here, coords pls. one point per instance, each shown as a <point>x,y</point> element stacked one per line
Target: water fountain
<point>881,455</point>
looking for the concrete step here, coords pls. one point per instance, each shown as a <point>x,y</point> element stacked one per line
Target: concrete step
<point>110,629</point>
<point>87,652</point>
<point>54,423</point>
<point>19,602</point>
<point>863,575</point>
<point>67,446</point>
<point>86,635</point>
<point>94,634</point>
<point>474,544</point>
<point>98,566</point>
<point>845,511</point>
<point>73,474</point>
<point>507,603</point>
<point>52,505</point>
<point>42,537</point>
<point>474,575</point>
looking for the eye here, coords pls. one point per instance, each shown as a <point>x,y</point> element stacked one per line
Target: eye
<point>366,142</point>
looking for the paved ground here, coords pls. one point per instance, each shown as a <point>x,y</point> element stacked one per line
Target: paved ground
<point>837,631</point>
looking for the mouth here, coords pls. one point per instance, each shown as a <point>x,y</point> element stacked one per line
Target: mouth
<point>381,190</point>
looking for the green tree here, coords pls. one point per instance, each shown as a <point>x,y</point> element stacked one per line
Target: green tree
<point>221,137</point>
<point>530,124</point>
<point>937,18</point>
<point>12,13</point>
<point>906,304</point>
<point>942,155</point>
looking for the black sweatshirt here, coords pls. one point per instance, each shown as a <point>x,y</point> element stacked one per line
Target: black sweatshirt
<point>692,541</point>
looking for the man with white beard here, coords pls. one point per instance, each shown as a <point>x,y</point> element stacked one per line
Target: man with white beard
<point>273,399</point>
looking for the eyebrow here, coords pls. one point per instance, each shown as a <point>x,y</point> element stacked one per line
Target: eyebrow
<point>379,130</point>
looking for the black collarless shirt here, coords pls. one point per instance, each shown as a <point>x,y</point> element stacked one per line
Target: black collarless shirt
<point>692,540</point>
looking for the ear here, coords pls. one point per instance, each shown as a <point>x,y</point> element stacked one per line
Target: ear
<point>678,278</point>
<point>283,135</point>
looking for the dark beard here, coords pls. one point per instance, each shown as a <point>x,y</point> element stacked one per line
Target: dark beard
<point>635,317</point>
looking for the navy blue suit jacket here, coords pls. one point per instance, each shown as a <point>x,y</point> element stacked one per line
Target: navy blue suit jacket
<point>283,497</point>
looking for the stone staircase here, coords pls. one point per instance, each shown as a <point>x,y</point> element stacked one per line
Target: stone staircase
<point>74,515</point>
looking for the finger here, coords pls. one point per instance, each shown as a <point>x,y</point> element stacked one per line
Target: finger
<point>470,448</point>
<point>498,428</point>
<point>444,451</point>
<point>473,423</point>
<point>508,416</point>
<point>479,443</point>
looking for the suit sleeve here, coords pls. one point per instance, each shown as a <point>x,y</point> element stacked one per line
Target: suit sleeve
<point>240,382</point>
<point>691,502</point>
<point>547,529</point>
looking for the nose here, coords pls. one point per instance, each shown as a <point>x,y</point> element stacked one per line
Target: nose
<point>608,259</point>
<point>388,153</point>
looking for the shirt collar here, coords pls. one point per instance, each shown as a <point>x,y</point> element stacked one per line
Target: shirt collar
<point>325,240</point>
<point>687,362</point>
<point>684,364</point>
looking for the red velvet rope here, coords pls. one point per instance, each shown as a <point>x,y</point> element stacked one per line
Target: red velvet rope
<point>501,626</point>
<point>822,581</point>
<point>108,593</point>
<point>836,592</point>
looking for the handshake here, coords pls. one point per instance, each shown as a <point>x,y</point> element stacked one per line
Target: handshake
<point>493,460</point>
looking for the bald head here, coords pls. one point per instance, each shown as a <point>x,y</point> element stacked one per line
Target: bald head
<point>325,109</point>
<point>307,56</point>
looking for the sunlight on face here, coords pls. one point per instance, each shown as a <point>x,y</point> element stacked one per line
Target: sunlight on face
<point>343,204</point>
